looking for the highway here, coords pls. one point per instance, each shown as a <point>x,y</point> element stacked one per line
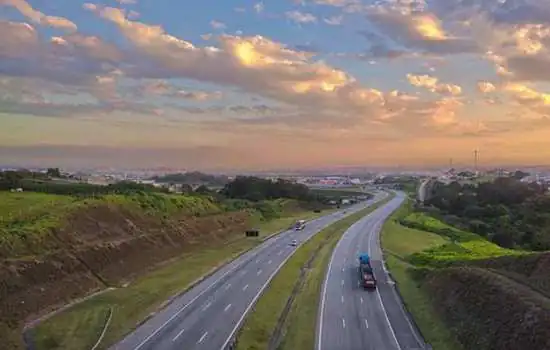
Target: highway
<point>352,318</point>
<point>209,314</point>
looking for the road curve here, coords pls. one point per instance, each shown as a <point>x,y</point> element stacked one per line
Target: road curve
<point>351,318</point>
<point>208,316</point>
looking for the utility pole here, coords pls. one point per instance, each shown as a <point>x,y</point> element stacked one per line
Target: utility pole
<point>476,153</point>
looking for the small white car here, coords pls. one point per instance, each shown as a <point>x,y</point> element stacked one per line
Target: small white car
<point>294,243</point>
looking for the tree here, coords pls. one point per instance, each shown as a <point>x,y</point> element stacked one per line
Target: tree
<point>53,172</point>
<point>257,189</point>
<point>512,213</point>
<point>519,174</point>
<point>202,189</point>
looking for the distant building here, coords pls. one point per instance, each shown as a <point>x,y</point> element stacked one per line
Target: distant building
<point>98,180</point>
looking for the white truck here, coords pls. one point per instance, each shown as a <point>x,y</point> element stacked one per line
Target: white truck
<point>300,225</point>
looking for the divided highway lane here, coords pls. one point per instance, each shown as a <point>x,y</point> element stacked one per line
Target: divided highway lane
<point>208,315</point>
<point>352,318</point>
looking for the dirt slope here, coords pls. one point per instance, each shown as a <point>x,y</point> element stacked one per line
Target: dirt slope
<point>530,269</point>
<point>98,246</point>
<point>488,311</point>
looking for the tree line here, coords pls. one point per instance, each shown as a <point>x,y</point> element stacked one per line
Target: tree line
<point>41,182</point>
<point>257,189</point>
<point>510,213</point>
<point>248,188</point>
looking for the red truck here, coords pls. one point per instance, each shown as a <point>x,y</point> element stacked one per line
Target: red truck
<point>368,280</point>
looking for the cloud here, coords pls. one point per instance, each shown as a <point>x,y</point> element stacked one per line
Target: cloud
<point>529,97</point>
<point>88,46</point>
<point>217,25</point>
<point>335,3</point>
<point>38,17</point>
<point>254,64</point>
<point>417,30</point>
<point>499,12</point>
<point>259,7</point>
<point>299,17</point>
<point>17,40</point>
<point>127,2</point>
<point>334,20</point>
<point>431,83</point>
<point>285,99</point>
<point>164,88</point>
<point>30,96</point>
<point>485,86</point>
<point>88,156</point>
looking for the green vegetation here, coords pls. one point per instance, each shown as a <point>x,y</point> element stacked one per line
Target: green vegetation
<point>430,261</point>
<point>399,243</point>
<point>90,237</point>
<point>461,245</point>
<point>53,182</point>
<point>508,212</point>
<point>307,266</point>
<point>76,327</point>
<point>256,189</point>
<point>28,218</point>
<point>404,183</point>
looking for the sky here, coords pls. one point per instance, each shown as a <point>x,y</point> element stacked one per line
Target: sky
<point>274,84</point>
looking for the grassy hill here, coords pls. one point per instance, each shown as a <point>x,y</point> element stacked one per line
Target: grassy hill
<point>56,248</point>
<point>465,292</point>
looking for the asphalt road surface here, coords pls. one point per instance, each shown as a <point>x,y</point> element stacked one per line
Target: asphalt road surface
<point>352,318</point>
<point>208,316</point>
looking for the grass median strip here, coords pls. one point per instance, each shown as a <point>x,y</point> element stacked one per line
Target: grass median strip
<point>272,324</point>
<point>399,242</point>
<point>79,326</point>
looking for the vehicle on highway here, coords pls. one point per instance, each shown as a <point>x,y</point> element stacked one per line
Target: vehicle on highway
<point>300,225</point>
<point>294,243</point>
<point>368,281</point>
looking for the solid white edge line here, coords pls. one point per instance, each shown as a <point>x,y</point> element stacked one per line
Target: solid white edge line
<point>236,262</point>
<point>257,296</point>
<point>396,296</point>
<point>319,342</point>
<point>185,307</point>
<point>376,233</point>
<point>388,319</point>
<point>323,298</point>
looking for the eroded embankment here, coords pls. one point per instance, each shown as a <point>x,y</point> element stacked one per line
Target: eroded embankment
<point>98,246</point>
<point>530,269</point>
<point>488,311</point>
